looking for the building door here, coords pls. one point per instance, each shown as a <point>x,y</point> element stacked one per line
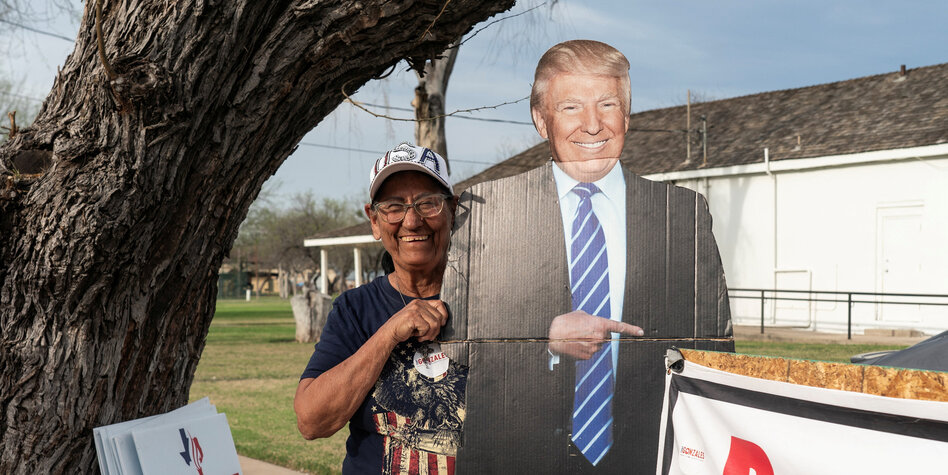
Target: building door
<point>899,261</point>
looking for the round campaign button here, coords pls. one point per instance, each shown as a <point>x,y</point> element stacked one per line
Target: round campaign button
<point>431,361</point>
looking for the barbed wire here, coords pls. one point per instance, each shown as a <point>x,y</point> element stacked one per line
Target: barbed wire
<point>21,96</point>
<point>439,116</point>
<point>482,119</point>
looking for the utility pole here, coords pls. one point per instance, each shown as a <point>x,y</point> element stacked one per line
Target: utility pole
<point>704,139</point>
<point>688,127</point>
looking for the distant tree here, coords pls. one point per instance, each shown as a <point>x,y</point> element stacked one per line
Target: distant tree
<point>149,152</point>
<point>16,110</point>
<point>273,233</point>
<point>24,10</point>
<point>14,16</point>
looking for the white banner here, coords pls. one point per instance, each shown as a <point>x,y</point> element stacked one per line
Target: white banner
<point>199,447</point>
<point>721,423</point>
<point>193,439</point>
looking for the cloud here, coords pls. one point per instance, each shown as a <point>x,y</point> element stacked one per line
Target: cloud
<point>585,18</point>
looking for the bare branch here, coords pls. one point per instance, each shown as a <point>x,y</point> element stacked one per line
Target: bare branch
<point>13,128</point>
<point>99,41</point>
<point>497,21</point>
<point>423,35</point>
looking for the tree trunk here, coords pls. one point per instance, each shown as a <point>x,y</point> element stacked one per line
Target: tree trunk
<point>283,282</point>
<point>310,310</point>
<point>109,254</point>
<point>429,102</point>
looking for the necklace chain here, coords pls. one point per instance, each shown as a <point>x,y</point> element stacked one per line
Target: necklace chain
<point>399,289</point>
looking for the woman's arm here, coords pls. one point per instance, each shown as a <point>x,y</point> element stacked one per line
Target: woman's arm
<point>324,404</point>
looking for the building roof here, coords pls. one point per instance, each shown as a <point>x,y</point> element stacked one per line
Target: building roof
<point>882,112</point>
<point>361,229</point>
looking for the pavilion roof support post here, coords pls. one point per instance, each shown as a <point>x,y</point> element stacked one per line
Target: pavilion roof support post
<point>357,264</point>
<point>323,271</point>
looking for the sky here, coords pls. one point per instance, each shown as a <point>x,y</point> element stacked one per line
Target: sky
<point>717,50</point>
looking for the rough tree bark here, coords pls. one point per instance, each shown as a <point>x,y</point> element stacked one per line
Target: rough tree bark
<point>120,202</point>
<point>429,102</point>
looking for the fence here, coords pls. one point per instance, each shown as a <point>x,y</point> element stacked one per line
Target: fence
<point>232,284</point>
<point>851,298</point>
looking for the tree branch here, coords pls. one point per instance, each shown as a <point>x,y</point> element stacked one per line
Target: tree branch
<point>13,128</point>
<point>496,21</point>
<point>100,42</point>
<point>423,35</point>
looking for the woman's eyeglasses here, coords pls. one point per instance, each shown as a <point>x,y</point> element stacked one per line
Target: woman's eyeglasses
<point>393,212</point>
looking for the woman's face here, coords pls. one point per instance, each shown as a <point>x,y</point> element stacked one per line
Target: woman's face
<point>417,245</point>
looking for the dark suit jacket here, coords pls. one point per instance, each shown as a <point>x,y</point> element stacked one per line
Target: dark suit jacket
<point>507,278</point>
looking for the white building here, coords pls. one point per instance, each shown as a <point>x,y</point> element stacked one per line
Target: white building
<point>872,222</point>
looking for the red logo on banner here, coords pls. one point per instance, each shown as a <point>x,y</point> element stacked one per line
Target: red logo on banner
<point>198,455</point>
<point>692,453</point>
<point>192,451</point>
<point>745,458</point>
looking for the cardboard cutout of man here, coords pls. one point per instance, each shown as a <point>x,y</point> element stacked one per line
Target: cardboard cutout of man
<point>566,284</point>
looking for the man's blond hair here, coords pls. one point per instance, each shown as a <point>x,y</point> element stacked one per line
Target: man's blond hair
<point>581,57</point>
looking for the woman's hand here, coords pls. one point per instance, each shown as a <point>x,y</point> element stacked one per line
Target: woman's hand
<point>323,405</point>
<point>422,319</point>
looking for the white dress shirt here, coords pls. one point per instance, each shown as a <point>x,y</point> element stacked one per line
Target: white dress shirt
<point>609,206</point>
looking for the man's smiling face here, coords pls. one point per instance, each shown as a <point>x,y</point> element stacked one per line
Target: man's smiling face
<point>584,118</point>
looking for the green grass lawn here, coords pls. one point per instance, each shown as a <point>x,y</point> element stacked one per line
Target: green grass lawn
<point>808,351</point>
<point>251,365</point>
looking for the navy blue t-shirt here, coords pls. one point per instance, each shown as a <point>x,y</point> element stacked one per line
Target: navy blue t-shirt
<point>409,422</point>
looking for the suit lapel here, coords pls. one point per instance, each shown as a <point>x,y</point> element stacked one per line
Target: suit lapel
<point>553,236</point>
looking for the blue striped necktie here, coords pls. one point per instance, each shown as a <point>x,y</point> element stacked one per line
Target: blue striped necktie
<point>595,379</point>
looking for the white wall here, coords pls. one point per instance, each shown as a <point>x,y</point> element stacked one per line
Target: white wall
<point>874,227</point>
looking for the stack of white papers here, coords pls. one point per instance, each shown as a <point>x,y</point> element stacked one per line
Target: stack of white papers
<point>191,439</point>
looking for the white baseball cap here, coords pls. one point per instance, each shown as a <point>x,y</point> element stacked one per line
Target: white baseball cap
<point>408,157</point>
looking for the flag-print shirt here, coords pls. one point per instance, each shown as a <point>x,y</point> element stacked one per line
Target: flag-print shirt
<point>409,423</point>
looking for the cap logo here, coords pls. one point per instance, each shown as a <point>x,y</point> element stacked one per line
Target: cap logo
<point>427,156</point>
<point>406,152</point>
<point>402,153</point>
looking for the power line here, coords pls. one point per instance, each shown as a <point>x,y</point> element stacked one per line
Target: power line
<point>20,96</point>
<point>34,30</point>
<point>502,121</point>
<point>379,153</point>
<point>347,149</point>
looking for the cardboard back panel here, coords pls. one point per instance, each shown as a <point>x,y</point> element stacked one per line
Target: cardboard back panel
<point>518,410</point>
<point>508,278</point>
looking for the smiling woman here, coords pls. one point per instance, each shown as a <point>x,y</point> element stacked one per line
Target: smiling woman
<point>374,366</point>
<point>416,241</point>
